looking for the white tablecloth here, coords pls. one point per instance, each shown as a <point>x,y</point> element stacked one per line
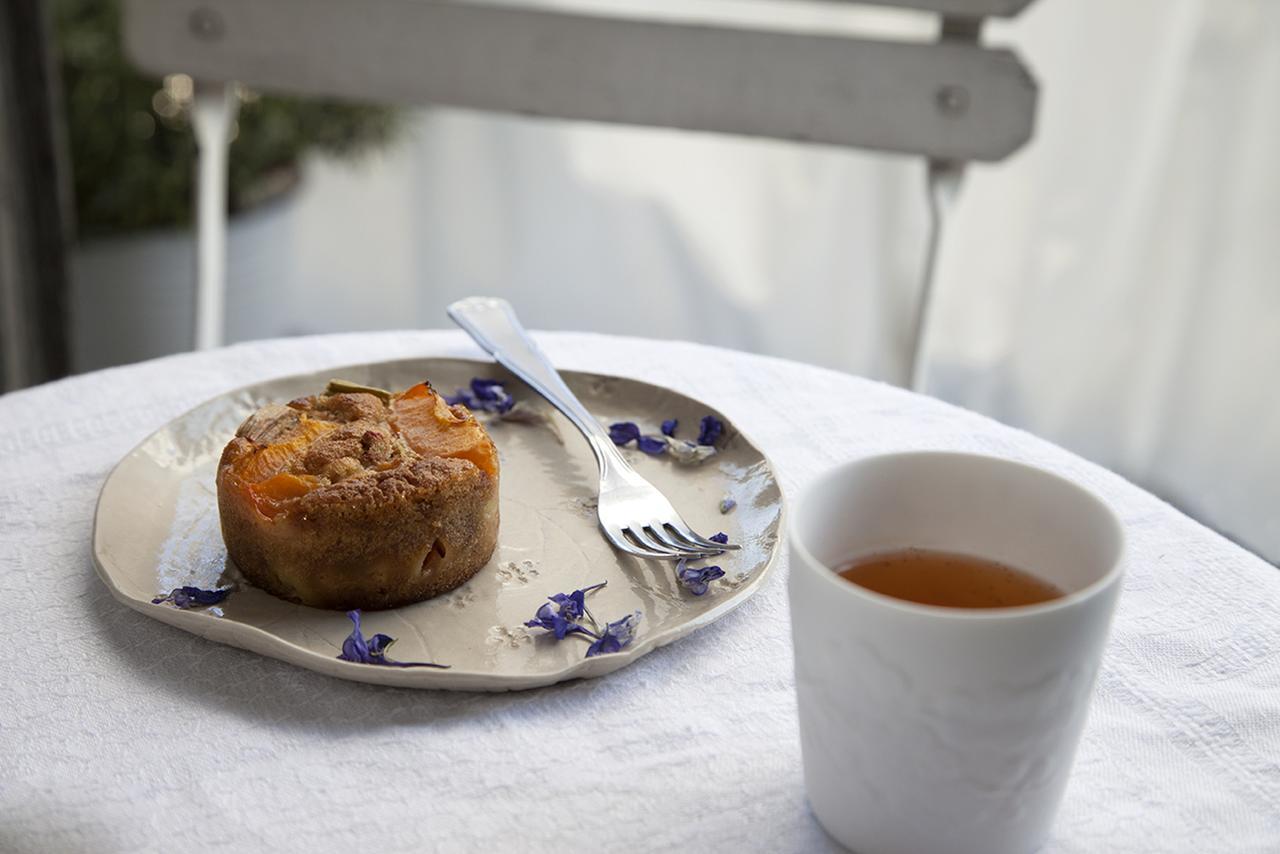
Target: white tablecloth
<point>120,733</point>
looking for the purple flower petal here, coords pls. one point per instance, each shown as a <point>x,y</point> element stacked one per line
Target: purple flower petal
<point>188,597</point>
<point>623,432</point>
<point>486,395</point>
<point>727,504</point>
<point>669,427</point>
<point>460,398</point>
<point>710,430</point>
<point>491,395</point>
<point>378,644</point>
<point>374,650</point>
<point>615,636</point>
<point>722,538</point>
<point>651,445</point>
<point>560,622</point>
<point>696,579</point>
<point>572,605</point>
<point>355,647</point>
<point>561,612</point>
<point>486,389</point>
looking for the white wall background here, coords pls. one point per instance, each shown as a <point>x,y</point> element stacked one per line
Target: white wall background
<point>1114,287</point>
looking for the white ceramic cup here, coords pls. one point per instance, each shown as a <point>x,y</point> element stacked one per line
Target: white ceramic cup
<point>928,729</point>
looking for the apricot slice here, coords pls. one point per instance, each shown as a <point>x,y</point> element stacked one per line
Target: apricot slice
<point>432,429</point>
<point>267,495</point>
<point>270,460</point>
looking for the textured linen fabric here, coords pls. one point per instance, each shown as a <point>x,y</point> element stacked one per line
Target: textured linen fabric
<point>119,733</point>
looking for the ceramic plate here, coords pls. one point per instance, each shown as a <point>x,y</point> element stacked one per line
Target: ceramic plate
<point>157,529</point>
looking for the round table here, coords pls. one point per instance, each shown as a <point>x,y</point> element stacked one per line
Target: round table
<point>121,733</point>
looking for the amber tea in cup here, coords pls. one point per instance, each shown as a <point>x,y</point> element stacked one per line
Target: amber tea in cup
<point>948,580</point>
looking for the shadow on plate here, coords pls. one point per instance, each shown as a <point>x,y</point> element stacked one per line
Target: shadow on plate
<point>267,691</point>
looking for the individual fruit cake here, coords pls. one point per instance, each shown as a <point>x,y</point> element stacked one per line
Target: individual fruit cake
<point>359,498</point>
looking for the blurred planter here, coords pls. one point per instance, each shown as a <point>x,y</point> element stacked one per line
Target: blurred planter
<point>133,160</point>
<point>133,295</point>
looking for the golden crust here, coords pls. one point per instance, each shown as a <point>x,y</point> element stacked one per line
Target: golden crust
<point>379,524</point>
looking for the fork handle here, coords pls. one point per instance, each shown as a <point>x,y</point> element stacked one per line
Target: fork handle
<point>493,324</point>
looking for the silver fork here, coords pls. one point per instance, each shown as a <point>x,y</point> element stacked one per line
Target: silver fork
<point>636,517</point>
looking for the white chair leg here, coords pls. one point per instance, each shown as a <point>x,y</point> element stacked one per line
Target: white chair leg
<point>943,185</point>
<point>213,113</point>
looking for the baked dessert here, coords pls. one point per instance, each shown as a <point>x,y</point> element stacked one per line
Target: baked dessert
<point>359,498</point>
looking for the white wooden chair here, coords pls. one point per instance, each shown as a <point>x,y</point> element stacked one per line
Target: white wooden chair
<point>951,100</point>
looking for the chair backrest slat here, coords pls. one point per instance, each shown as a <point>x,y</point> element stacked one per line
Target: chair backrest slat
<point>943,100</point>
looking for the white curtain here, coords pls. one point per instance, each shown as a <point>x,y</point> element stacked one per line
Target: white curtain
<point>1113,287</point>
<point>1116,286</point>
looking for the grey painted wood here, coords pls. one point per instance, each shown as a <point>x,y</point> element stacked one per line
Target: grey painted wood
<point>951,101</point>
<point>959,8</point>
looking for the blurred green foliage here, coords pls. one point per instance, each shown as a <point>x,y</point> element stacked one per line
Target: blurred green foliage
<point>132,152</point>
